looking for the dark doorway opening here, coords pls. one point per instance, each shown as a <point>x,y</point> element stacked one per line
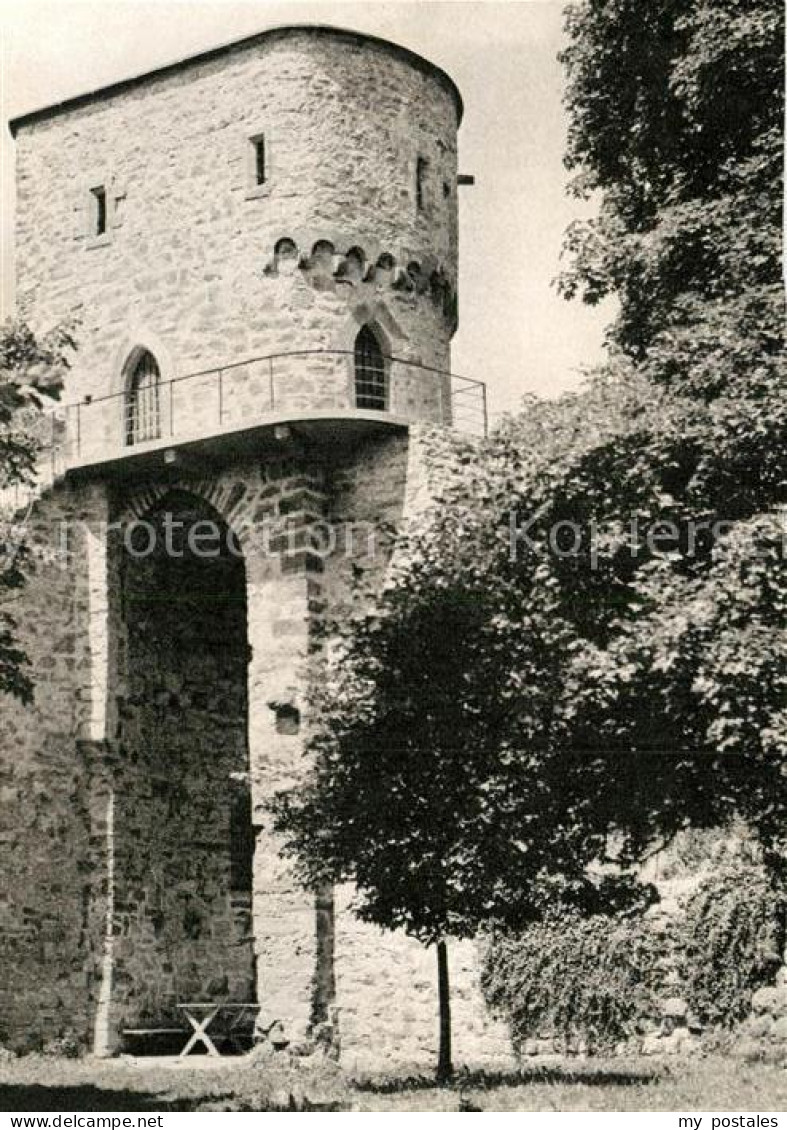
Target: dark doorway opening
<point>184,839</point>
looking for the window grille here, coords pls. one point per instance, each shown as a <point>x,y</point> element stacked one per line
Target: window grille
<point>143,419</point>
<point>371,382</point>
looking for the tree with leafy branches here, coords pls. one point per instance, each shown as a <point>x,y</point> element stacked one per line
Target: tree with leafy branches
<point>677,123</point>
<point>580,650</point>
<point>31,376</point>
<point>442,782</point>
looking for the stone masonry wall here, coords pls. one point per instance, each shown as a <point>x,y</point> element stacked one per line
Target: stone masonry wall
<point>174,739</point>
<point>52,872</point>
<point>279,508</point>
<point>262,501</point>
<point>386,990</point>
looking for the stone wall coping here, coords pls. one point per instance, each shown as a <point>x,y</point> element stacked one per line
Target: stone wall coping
<point>238,45</point>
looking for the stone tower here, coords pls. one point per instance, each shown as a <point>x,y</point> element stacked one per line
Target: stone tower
<point>260,246</point>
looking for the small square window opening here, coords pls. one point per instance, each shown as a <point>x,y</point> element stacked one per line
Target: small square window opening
<point>288,718</point>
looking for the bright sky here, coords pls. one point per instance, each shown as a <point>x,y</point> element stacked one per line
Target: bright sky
<point>515,332</point>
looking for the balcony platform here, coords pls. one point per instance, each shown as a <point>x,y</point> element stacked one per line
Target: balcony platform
<point>253,406</point>
<point>327,430</point>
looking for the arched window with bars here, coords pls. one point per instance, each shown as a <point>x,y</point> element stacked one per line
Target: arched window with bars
<point>371,376</point>
<point>143,412</point>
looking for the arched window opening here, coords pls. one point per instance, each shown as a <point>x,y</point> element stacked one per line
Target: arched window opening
<point>143,418</point>
<point>371,381</point>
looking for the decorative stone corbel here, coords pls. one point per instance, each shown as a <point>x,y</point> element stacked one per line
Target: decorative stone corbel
<point>402,280</point>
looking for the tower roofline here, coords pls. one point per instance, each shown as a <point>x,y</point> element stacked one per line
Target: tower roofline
<point>111,89</point>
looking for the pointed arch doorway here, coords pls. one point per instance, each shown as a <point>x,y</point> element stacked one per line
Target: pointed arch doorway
<point>184,840</point>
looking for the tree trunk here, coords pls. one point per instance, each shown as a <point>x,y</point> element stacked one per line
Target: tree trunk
<point>445,1068</point>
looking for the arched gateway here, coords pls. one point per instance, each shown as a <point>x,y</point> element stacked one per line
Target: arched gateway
<point>183,838</point>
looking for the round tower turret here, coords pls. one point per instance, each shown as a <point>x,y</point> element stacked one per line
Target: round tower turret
<point>279,246</point>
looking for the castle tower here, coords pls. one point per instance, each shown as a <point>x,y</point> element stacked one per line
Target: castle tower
<point>260,246</point>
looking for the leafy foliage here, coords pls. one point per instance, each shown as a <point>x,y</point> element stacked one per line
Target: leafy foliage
<point>676,120</point>
<point>580,651</point>
<point>442,783</point>
<point>590,979</point>
<point>31,375</point>
<point>731,941</point>
<point>603,979</point>
<point>68,1045</point>
<point>513,722</point>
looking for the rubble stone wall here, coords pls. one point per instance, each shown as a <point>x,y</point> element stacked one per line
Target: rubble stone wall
<point>52,871</point>
<point>206,668</point>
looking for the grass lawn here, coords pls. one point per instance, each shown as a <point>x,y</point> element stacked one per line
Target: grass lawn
<point>38,1083</point>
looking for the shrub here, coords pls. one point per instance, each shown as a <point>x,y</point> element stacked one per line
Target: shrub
<point>694,851</point>
<point>730,940</point>
<point>594,979</point>
<point>68,1045</point>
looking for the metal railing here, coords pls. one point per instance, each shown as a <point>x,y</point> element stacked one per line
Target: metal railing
<point>244,394</point>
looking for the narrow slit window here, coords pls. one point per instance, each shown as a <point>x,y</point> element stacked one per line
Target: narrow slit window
<point>421,170</point>
<point>241,840</point>
<point>99,210</point>
<point>260,171</point>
